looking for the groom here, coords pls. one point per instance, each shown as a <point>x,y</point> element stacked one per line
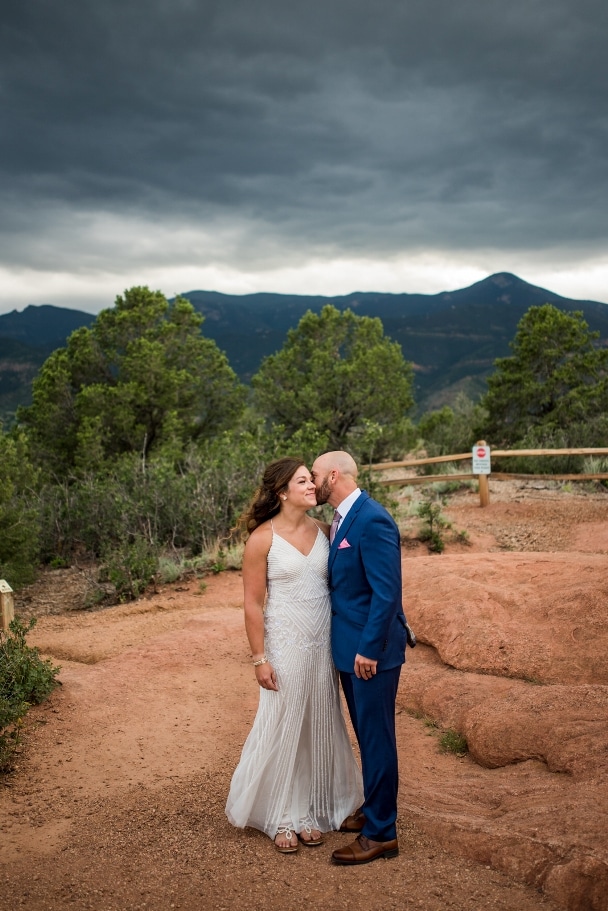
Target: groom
<point>368,638</point>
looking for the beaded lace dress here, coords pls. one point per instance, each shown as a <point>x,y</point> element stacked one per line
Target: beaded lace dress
<point>297,766</point>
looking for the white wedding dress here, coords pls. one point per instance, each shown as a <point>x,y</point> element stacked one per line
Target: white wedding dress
<point>297,767</point>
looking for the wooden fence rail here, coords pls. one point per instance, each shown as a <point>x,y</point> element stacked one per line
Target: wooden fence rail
<point>496,453</point>
<point>483,479</point>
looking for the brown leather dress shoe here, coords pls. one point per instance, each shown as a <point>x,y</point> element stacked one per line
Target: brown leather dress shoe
<point>364,849</point>
<point>354,822</point>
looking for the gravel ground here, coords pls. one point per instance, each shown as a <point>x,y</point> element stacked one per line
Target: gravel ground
<point>117,800</point>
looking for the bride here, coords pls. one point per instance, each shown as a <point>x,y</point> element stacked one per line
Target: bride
<point>297,776</point>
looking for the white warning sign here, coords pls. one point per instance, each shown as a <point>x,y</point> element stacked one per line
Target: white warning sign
<point>481,459</point>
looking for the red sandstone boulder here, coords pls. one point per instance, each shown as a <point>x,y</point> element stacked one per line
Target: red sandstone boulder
<point>515,660</point>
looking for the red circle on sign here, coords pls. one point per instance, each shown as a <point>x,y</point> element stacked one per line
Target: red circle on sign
<point>481,453</point>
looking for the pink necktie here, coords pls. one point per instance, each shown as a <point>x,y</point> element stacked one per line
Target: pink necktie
<point>334,526</point>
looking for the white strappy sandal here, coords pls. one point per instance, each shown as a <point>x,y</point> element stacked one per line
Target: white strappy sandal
<point>307,826</point>
<point>288,832</point>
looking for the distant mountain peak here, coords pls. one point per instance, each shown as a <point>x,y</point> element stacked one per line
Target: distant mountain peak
<point>452,338</point>
<point>504,279</point>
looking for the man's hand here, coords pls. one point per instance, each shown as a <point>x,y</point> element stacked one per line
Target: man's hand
<point>365,668</point>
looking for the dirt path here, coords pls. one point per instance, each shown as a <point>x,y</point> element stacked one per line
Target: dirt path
<point>117,801</point>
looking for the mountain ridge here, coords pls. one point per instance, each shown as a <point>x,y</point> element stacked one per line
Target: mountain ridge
<point>452,338</point>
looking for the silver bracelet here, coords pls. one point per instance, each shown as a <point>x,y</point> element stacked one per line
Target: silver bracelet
<point>260,661</point>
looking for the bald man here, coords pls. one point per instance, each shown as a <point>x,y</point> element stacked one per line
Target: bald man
<point>368,645</point>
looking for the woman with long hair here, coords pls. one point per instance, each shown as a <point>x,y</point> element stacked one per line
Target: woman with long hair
<point>297,776</point>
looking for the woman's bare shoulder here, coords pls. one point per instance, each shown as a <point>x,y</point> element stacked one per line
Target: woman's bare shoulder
<point>260,539</point>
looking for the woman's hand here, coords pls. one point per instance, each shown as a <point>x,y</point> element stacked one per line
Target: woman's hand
<point>266,676</point>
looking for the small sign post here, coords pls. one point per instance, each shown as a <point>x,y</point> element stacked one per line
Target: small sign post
<point>482,468</point>
<point>7,608</point>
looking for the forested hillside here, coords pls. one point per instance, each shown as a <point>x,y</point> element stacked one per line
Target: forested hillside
<point>452,339</point>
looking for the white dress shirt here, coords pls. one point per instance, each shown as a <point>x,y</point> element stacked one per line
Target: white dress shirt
<point>346,504</point>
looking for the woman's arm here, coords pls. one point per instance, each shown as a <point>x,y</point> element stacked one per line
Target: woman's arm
<point>255,561</point>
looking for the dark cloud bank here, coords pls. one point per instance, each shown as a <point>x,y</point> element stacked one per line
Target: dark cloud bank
<point>347,127</point>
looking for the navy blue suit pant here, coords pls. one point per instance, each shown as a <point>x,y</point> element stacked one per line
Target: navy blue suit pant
<point>371,704</point>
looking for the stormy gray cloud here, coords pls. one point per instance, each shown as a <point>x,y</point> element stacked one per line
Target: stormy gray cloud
<point>254,135</point>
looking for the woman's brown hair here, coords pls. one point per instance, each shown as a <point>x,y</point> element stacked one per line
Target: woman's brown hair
<point>266,502</point>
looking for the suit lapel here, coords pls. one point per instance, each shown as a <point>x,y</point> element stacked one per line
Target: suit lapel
<point>346,525</point>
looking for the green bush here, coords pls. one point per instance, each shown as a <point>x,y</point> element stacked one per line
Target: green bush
<point>450,430</point>
<point>128,514</point>
<point>25,679</point>
<point>177,505</point>
<point>433,523</point>
<point>130,566</point>
<point>169,570</point>
<point>589,434</point>
<point>19,523</point>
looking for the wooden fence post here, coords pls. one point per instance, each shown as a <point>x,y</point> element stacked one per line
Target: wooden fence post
<point>7,607</point>
<point>484,490</point>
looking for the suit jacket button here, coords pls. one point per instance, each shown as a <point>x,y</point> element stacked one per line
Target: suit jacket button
<point>333,613</point>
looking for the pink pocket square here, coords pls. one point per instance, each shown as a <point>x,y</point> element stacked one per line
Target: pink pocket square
<point>343,543</point>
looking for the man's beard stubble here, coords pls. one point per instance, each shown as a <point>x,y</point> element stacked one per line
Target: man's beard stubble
<point>323,492</point>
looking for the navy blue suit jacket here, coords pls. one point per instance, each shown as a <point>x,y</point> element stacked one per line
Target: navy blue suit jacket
<point>365,585</point>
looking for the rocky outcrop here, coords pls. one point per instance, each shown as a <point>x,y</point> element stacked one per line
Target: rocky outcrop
<point>513,656</point>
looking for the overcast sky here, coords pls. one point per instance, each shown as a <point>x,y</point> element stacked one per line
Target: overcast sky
<point>318,147</point>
